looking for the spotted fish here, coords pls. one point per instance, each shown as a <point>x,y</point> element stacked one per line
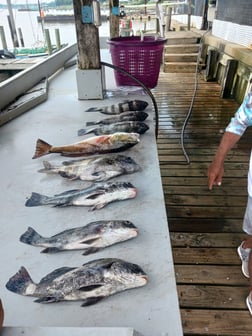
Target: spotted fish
<point>90,238</point>
<point>88,283</point>
<point>96,197</point>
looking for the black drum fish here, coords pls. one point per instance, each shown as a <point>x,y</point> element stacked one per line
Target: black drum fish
<point>125,116</point>
<point>125,126</point>
<point>128,105</point>
<point>88,283</point>
<point>94,169</point>
<point>90,238</point>
<point>96,197</point>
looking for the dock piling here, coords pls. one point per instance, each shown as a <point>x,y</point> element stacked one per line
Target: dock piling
<point>57,37</point>
<point>21,37</point>
<point>48,41</point>
<point>3,39</point>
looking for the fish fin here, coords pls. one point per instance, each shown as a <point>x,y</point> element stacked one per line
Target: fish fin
<point>36,199</point>
<point>30,236</point>
<point>42,148</point>
<point>96,194</point>
<point>19,282</point>
<point>90,287</point>
<point>84,131</point>
<point>92,300</point>
<point>51,250</point>
<point>56,273</point>
<point>93,109</point>
<point>67,192</point>
<point>47,299</point>
<point>70,162</point>
<point>48,168</point>
<point>91,250</point>
<point>98,176</point>
<point>69,176</point>
<point>91,123</point>
<point>90,241</point>
<point>61,205</point>
<point>98,206</point>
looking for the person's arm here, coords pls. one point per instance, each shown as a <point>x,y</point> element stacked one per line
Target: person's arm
<point>235,129</point>
<point>216,168</point>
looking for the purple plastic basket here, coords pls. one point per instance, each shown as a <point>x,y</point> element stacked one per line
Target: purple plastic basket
<point>141,59</point>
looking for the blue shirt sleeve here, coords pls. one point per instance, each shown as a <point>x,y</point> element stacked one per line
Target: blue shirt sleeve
<point>242,118</point>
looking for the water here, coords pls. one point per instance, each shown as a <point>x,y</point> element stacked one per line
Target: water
<point>32,30</point>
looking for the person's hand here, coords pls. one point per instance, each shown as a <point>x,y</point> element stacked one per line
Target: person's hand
<point>215,173</point>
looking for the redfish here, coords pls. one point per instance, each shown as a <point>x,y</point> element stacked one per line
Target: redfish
<point>102,144</point>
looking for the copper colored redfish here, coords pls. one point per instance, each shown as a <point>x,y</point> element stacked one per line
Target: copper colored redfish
<point>102,144</point>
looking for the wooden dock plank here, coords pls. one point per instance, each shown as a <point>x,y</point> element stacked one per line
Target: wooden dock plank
<point>216,322</point>
<point>205,227</point>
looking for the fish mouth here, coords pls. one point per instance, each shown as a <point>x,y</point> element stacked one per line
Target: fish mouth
<point>144,278</point>
<point>134,232</point>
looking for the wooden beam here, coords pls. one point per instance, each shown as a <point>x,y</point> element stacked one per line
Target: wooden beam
<point>87,38</point>
<point>114,18</point>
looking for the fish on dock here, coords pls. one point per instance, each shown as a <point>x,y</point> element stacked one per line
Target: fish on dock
<point>125,126</point>
<point>94,169</point>
<point>128,105</point>
<point>101,144</point>
<point>125,116</point>
<point>91,238</point>
<point>96,197</point>
<point>88,283</point>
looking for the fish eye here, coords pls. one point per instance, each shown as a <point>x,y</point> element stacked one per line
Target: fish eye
<point>130,225</point>
<point>133,268</point>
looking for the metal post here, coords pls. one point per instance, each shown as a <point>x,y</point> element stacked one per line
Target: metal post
<point>168,18</point>
<point>189,14</point>
<point>21,37</point>
<point>48,41</point>
<point>57,37</point>
<point>3,39</point>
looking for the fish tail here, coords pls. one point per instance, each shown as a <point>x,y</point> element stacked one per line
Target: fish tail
<point>84,131</point>
<point>93,109</point>
<point>20,282</point>
<point>91,123</point>
<point>30,237</point>
<point>36,199</point>
<point>42,148</point>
